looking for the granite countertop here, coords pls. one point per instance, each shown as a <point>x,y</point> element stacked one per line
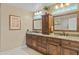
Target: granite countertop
<point>73,38</point>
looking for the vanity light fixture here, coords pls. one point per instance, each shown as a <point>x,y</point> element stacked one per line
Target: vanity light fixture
<point>62,5</point>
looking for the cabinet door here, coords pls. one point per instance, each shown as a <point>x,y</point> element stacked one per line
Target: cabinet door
<point>44,42</point>
<point>34,45</point>
<point>44,45</point>
<point>34,41</point>
<point>46,24</point>
<point>53,49</point>
<point>39,44</point>
<point>28,40</point>
<point>67,51</point>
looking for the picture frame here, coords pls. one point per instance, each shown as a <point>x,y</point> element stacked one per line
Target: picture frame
<point>14,22</point>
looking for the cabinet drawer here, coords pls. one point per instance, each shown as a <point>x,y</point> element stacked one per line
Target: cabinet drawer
<point>54,43</point>
<point>54,40</point>
<point>65,42</point>
<point>74,44</point>
<point>70,43</point>
<point>44,46</point>
<point>39,44</point>
<point>38,40</point>
<point>44,41</point>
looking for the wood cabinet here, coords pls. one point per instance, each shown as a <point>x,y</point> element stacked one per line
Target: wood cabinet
<point>52,46</point>
<point>46,23</point>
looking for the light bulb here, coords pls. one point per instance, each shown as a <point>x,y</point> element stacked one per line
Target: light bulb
<point>61,5</point>
<point>56,7</point>
<point>35,13</point>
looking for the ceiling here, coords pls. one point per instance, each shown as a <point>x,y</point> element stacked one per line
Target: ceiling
<point>30,6</point>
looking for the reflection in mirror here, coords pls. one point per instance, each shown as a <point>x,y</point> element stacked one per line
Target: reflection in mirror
<point>66,22</point>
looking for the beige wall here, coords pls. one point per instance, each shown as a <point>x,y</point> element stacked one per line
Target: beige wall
<point>14,38</point>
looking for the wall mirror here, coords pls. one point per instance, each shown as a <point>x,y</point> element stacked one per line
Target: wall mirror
<point>68,22</point>
<point>37,25</point>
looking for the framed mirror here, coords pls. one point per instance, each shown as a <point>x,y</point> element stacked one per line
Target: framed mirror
<point>66,22</point>
<point>37,25</point>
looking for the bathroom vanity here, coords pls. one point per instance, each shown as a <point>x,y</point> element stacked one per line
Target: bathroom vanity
<point>53,44</point>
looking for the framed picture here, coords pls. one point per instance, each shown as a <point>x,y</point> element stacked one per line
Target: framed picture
<point>14,22</point>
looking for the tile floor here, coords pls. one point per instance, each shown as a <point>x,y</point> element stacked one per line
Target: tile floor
<point>21,51</point>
